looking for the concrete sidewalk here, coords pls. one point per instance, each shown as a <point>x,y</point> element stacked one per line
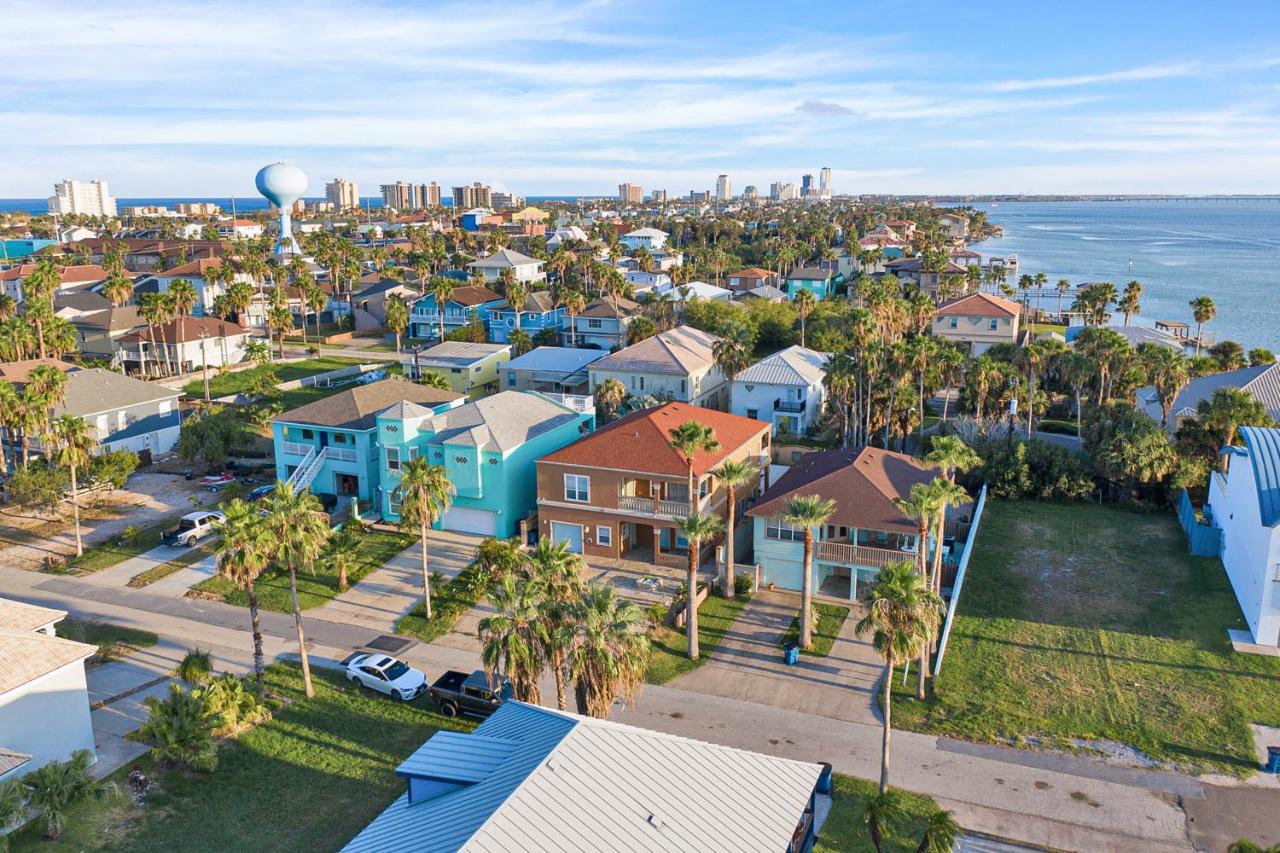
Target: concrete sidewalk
<point>122,572</point>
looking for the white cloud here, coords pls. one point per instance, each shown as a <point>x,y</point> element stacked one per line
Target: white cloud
<point>1146,72</point>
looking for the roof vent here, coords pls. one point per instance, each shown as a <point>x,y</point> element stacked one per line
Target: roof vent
<point>656,822</point>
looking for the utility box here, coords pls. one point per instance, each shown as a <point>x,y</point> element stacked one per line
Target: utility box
<point>1273,759</point>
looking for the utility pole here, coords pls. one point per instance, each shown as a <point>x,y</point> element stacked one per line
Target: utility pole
<point>204,363</point>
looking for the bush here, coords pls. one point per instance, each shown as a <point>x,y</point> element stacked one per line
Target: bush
<point>180,728</point>
<point>57,786</point>
<point>743,584</point>
<point>110,469</point>
<point>1035,469</point>
<point>233,704</point>
<point>39,485</point>
<point>196,667</point>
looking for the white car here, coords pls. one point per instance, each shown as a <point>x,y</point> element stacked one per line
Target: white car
<point>387,675</point>
<point>193,527</point>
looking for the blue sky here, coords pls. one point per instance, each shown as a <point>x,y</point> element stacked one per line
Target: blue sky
<point>190,98</point>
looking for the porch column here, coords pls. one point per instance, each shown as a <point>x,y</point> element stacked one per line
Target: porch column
<point>657,543</point>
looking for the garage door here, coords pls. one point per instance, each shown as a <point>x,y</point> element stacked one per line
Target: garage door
<point>571,533</point>
<point>463,520</point>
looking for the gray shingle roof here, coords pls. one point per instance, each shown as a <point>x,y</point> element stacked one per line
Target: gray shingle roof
<point>27,655</point>
<point>794,365</point>
<point>503,259</point>
<point>357,408</point>
<point>682,351</point>
<point>501,423</point>
<point>95,390</point>
<point>1262,381</point>
<point>20,616</point>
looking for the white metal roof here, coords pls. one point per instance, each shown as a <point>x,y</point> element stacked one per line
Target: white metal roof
<point>794,365</point>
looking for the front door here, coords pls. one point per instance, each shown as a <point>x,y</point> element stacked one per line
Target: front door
<point>347,484</point>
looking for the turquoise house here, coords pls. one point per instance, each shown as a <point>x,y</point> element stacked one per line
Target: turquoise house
<point>331,446</point>
<point>467,303</point>
<point>865,532</point>
<point>538,313</point>
<point>820,282</point>
<point>488,447</point>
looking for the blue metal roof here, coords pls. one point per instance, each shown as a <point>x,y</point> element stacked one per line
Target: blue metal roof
<point>1263,444</point>
<point>457,757</point>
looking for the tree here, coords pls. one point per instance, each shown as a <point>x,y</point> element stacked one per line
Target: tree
<point>195,668</point>
<point>610,394</point>
<point>901,615</point>
<point>574,304</point>
<point>441,293</point>
<point>72,443</point>
<point>424,492</point>
<point>299,529</point>
<point>1167,371</point>
<point>807,512</point>
<point>519,341</point>
<point>733,474</point>
<point>1228,354</point>
<point>731,355</point>
<point>38,289</point>
<point>432,379</point>
<point>212,434</point>
<point>241,556</point>
<point>117,289</point>
<point>697,528</point>
<point>608,651</point>
<point>46,388</point>
<point>13,808</point>
<point>1202,311</point>
<point>183,298</point>
<point>514,638</point>
<point>804,303</point>
<point>1130,303</point>
<point>689,439</point>
<point>1229,409</point>
<point>397,317</point>
<point>1064,287</point>
<point>1128,448</point>
<point>923,506</point>
<point>640,329</point>
<point>57,786</point>
<point>882,812</point>
<point>180,729</point>
<point>940,833</point>
<point>154,311</point>
<point>558,573</point>
<point>950,454</point>
<point>1261,355</point>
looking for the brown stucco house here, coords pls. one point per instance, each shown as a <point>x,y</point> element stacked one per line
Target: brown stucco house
<point>620,491</point>
<point>978,321</point>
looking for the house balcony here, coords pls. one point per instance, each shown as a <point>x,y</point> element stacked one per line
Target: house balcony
<point>849,554</point>
<point>577,402</point>
<point>792,407</point>
<point>294,448</point>
<point>652,507</point>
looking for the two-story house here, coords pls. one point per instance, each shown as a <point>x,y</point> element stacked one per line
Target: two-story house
<point>1259,381</point>
<point>677,363</point>
<point>620,491</point>
<point>652,239</point>
<point>977,321</point>
<point>203,273</point>
<point>184,345</point>
<point>914,274</point>
<point>560,370</point>
<point>71,279</point>
<point>470,369</point>
<point>820,282</point>
<point>784,389</point>
<point>646,281</point>
<point>488,447</point>
<point>865,532</point>
<point>601,325</point>
<point>524,268</point>
<point>539,312</point>
<point>750,279</point>
<point>332,444</point>
<point>466,305</point>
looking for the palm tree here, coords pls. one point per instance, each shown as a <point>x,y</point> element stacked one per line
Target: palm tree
<point>1130,303</point>
<point>940,833</point>
<point>575,302</point>
<point>610,394</point>
<point>804,303</point>
<point>397,317</point>
<point>314,299</point>
<point>10,420</point>
<point>433,380</point>
<point>945,495</point>
<point>183,298</point>
<point>901,614</point>
<point>1064,287</point>
<point>1168,373</point>
<point>153,308</point>
<point>299,529</point>
<point>882,812</point>
<point>697,528</point>
<point>1202,311</point>
<point>807,512</point>
<point>242,555</point>
<point>425,493</point>
<point>441,293</point>
<point>558,572</point>
<point>515,637</point>
<point>950,454</point>
<point>72,443</point>
<point>732,473</point>
<point>608,651</point>
<point>48,386</point>
<point>117,289</point>
<point>689,439</point>
<point>38,289</point>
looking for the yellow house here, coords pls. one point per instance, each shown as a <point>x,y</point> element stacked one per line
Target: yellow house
<point>470,369</point>
<point>977,321</point>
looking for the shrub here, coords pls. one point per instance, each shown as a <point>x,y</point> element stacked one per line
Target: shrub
<point>110,469</point>
<point>1035,469</point>
<point>56,786</point>
<point>180,728</point>
<point>234,705</point>
<point>743,584</point>
<point>196,667</point>
<point>13,807</point>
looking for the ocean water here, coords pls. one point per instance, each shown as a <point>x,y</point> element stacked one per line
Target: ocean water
<point>1228,250</point>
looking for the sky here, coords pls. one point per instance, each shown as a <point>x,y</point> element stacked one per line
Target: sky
<point>189,98</point>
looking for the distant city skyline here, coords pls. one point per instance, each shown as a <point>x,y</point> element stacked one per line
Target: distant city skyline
<point>538,98</point>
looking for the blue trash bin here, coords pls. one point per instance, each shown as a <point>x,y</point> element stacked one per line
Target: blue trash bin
<point>1273,759</point>
<point>791,653</point>
<point>824,781</point>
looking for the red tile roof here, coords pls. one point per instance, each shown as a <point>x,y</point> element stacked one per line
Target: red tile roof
<point>640,441</point>
<point>980,305</point>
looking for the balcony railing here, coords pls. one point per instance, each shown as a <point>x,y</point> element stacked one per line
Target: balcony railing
<point>294,448</point>
<point>790,406</point>
<point>649,506</point>
<point>577,402</point>
<point>339,454</point>
<point>858,555</point>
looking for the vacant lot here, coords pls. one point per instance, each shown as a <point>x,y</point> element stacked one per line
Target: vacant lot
<point>1087,623</point>
<point>234,383</point>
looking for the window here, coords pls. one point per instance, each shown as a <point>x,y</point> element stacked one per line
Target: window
<point>678,492</point>
<point>640,380</point>
<point>393,458</point>
<point>684,386</point>
<point>995,324</point>
<point>703,488</point>
<point>307,435</point>
<point>511,379</point>
<point>753,414</point>
<point>339,438</point>
<point>954,322</point>
<point>604,535</point>
<point>577,487</point>
<point>455,370</point>
<point>594,324</point>
<point>775,529</point>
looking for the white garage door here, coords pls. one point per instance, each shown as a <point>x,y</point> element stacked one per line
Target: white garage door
<point>571,533</point>
<point>463,520</point>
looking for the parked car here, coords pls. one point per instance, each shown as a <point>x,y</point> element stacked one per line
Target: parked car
<point>458,693</point>
<point>262,492</point>
<point>385,674</point>
<point>214,482</point>
<point>193,527</point>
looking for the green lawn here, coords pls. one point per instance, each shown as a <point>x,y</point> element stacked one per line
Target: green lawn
<point>376,548</point>
<point>296,397</point>
<point>830,619</point>
<point>235,383</point>
<point>670,654</point>
<point>111,640</point>
<point>1045,328</point>
<point>1091,622</point>
<point>390,346</point>
<point>844,831</point>
<point>449,603</point>
<point>114,551</point>
<point>308,780</point>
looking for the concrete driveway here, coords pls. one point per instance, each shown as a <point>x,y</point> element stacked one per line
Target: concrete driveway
<point>748,666</point>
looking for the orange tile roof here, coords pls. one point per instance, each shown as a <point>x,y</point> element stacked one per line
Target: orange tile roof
<point>980,305</point>
<point>639,441</point>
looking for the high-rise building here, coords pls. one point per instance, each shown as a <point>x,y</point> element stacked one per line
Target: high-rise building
<point>779,191</point>
<point>398,195</point>
<point>426,195</point>
<point>775,190</point>
<point>196,208</point>
<point>505,200</point>
<point>630,194</point>
<point>824,182</point>
<point>343,194</point>
<point>87,198</point>
<point>751,193</point>
<point>699,195</point>
<point>724,188</point>
<point>806,186</point>
<point>658,197</point>
<point>476,195</point>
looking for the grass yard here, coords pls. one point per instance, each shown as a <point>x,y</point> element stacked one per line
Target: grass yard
<point>116,550</point>
<point>111,640</point>
<point>830,619</point>
<point>296,397</point>
<point>390,346</point>
<point>844,831</point>
<point>670,649</point>
<point>376,548</point>
<point>308,780</point>
<point>1046,328</point>
<point>449,603</point>
<point>1085,622</point>
<point>234,383</point>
